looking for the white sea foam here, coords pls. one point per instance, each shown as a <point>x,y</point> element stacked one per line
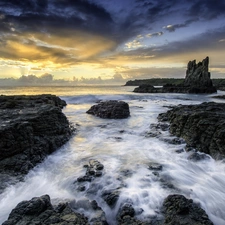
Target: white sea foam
<point>122,145</point>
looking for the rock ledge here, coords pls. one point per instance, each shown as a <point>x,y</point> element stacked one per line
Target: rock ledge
<point>32,127</point>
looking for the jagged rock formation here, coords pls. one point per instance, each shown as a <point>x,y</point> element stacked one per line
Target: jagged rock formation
<point>202,126</point>
<point>197,75</point>
<point>197,81</point>
<point>31,128</point>
<point>110,110</point>
<point>39,210</point>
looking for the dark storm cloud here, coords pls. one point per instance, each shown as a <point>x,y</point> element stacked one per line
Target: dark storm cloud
<point>18,7</point>
<point>85,7</point>
<point>89,15</point>
<point>209,9</point>
<point>52,15</point>
<point>158,9</point>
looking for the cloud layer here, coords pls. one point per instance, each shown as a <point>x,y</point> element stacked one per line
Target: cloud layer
<point>52,35</point>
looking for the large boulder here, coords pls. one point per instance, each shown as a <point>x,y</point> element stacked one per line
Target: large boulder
<point>110,110</point>
<point>202,126</point>
<point>39,210</point>
<point>31,128</point>
<point>180,210</point>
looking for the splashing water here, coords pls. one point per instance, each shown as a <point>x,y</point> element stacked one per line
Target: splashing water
<point>126,150</point>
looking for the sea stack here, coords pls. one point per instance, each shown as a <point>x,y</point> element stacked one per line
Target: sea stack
<point>197,81</point>
<point>198,77</point>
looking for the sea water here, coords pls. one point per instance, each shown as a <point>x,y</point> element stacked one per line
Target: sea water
<point>122,146</point>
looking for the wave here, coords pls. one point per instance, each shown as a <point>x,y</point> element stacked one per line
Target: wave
<point>84,99</point>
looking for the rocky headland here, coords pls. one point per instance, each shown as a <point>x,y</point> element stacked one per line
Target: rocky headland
<point>32,127</point>
<point>202,126</point>
<point>197,81</point>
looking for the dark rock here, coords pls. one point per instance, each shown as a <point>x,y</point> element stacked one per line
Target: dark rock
<point>154,81</point>
<point>174,141</point>
<point>125,210</point>
<point>84,178</point>
<point>152,134</point>
<point>90,172</point>
<point>81,188</point>
<point>179,151</point>
<point>96,214</point>
<point>195,156</point>
<point>111,196</point>
<point>155,173</point>
<point>126,216</point>
<point>93,170</point>
<point>110,110</point>
<point>147,88</point>
<point>154,166</point>
<point>197,81</point>
<point>180,210</point>
<point>202,126</point>
<point>98,174</point>
<point>219,97</point>
<point>197,75</point>
<point>39,210</point>
<point>30,130</point>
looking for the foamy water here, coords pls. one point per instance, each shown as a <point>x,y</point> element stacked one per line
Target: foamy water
<point>124,147</point>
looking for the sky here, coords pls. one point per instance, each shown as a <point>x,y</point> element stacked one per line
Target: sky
<point>113,40</point>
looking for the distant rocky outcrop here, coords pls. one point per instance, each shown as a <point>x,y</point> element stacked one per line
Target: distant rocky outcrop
<point>202,126</point>
<point>110,110</point>
<point>31,128</point>
<point>155,81</point>
<point>197,81</point>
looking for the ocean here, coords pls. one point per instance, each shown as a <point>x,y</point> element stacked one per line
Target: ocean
<point>126,149</point>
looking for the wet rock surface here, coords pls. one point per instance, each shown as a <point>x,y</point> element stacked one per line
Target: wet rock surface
<point>176,209</point>
<point>110,110</point>
<point>93,169</point>
<point>32,127</point>
<point>39,210</point>
<point>197,80</point>
<point>202,126</point>
<point>180,210</point>
<point>97,215</point>
<point>196,156</point>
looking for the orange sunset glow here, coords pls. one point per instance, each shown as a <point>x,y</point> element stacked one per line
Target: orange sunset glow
<point>97,39</point>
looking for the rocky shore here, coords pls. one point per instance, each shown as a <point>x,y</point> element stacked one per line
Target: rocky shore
<point>39,210</point>
<point>176,209</point>
<point>32,127</point>
<point>202,126</point>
